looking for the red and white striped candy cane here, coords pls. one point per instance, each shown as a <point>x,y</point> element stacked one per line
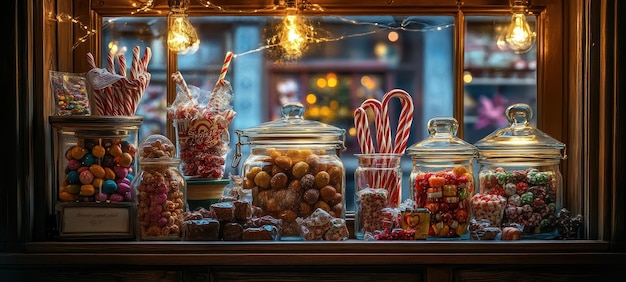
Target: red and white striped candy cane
<point>363,135</point>
<point>180,80</point>
<point>135,64</point>
<point>404,121</point>
<point>121,63</point>
<point>91,61</point>
<point>227,59</point>
<point>110,63</point>
<point>383,134</point>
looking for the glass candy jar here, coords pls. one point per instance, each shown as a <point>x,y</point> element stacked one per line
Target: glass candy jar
<point>293,168</point>
<point>161,190</point>
<point>519,165</point>
<point>378,181</point>
<point>442,179</point>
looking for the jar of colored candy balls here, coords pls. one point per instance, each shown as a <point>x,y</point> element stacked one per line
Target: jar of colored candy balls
<point>161,190</point>
<point>96,157</point>
<point>519,177</point>
<point>293,169</point>
<point>442,178</point>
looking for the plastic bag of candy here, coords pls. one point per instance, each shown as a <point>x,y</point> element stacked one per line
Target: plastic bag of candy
<point>70,93</point>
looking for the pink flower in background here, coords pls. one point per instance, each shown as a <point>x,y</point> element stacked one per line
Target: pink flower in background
<point>491,112</point>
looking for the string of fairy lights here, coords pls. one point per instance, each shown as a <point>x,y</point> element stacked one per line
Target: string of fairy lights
<point>292,35</point>
<point>295,33</point>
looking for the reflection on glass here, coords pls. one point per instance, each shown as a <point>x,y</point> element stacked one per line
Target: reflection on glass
<point>353,59</point>
<point>494,78</point>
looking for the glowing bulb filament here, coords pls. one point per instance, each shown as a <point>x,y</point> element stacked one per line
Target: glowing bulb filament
<point>519,37</point>
<point>182,36</point>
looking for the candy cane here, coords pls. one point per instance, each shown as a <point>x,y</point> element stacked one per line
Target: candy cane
<point>178,79</point>
<point>121,61</point>
<point>383,136</point>
<point>363,131</point>
<point>91,61</point>
<point>110,63</point>
<point>405,120</point>
<point>227,59</point>
<point>135,64</point>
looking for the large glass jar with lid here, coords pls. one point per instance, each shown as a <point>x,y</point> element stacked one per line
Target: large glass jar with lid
<point>95,163</point>
<point>519,165</point>
<point>442,179</point>
<point>293,168</point>
<point>161,190</point>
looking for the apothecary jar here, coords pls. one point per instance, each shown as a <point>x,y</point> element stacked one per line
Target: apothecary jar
<point>294,168</point>
<point>442,178</point>
<point>519,175</point>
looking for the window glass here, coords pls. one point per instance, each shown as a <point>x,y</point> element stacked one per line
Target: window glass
<point>495,77</point>
<point>355,59</point>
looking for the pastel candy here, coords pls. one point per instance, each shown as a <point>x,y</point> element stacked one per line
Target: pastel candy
<point>102,197</point>
<point>72,177</point>
<point>123,188</point>
<point>128,196</point>
<point>78,152</point>
<point>125,160</point>
<point>124,180</point>
<point>73,164</point>
<point>86,177</point>
<point>109,186</point>
<point>98,151</point>
<point>67,197</point>
<point>87,190</point>
<point>120,172</point>
<point>115,151</point>
<point>72,188</point>
<point>88,159</point>
<point>97,182</point>
<point>116,198</point>
<point>97,170</point>
<point>109,173</point>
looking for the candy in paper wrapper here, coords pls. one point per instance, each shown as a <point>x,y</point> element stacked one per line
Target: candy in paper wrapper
<point>483,230</point>
<point>112,93</point>
<point>372,202</point>
<point>338,230</point>
<point>418,220</point>
<point>315,226</point>
<point>265,232</point>
<point>202,121</point>
<point>70,93</point>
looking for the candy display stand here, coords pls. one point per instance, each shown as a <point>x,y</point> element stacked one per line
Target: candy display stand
<point>94,159</point>
<point>202,193</point>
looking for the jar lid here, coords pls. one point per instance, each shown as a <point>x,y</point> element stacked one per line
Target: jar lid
<point>442,140</point>
<point>157,149</point>
<point>519,138</point>
<point>293,129</point>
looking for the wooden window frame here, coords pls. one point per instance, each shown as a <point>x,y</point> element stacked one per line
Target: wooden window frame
<point>579,88</point>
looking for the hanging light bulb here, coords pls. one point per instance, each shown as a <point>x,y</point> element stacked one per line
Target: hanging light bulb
<point>518,36</point>
<point>181,35</point>
<point>294,33</point>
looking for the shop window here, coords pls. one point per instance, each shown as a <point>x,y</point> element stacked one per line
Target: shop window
<point>358,58</point>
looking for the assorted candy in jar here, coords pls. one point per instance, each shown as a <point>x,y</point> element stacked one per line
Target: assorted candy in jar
<point>519,177</point>
<point>97,161</point>
<point>293,169</point>
<point>442,178</point>
<point>161,190</point>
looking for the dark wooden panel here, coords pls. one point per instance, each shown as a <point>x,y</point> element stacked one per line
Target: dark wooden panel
<point>319,273</point>
<point>90,273</point>
<point>536,273</point>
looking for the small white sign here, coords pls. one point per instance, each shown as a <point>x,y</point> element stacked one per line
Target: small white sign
<point>95,220</point>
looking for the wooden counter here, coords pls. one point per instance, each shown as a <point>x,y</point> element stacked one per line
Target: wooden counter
<point>351,260</point>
